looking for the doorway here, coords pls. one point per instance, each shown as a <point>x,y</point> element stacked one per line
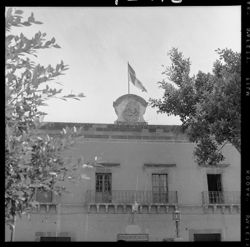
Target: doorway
<point>160,188</point>
<point>103,189</point>
<point>215,193</point>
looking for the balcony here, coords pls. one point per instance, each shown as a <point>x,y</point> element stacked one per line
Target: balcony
<point>224,200</point>
<point>47,202</point>
<point>121,201</point>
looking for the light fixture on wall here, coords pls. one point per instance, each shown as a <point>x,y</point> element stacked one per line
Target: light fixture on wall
<point>177,218</point>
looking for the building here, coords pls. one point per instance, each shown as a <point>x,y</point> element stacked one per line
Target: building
<point>144,174</point>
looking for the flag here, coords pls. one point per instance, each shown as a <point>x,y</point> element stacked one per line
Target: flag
<point>134,80</point>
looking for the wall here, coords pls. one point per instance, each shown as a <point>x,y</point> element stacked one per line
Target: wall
<point>133,155</point>
<point>184,176</point>
<point>105,227</point>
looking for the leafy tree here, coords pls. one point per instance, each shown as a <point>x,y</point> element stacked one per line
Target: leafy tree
<point>31,160</point>
<point>209,104</point>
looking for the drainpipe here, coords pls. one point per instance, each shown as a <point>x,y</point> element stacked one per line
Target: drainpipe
<point>58,225</point>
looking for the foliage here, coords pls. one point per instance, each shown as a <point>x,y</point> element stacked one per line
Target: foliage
<point>31,161</point>
<point>208,103</point>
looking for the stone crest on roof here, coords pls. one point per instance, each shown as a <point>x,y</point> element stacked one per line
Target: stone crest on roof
<point>130,109</point>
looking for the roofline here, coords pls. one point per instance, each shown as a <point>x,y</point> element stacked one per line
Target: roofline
<point>63,124</point>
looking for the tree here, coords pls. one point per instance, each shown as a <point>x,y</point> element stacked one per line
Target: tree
<point>31,160</point>
<point>209,104</point>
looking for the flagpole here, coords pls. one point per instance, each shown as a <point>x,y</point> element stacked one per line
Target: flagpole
<point>128,82</point>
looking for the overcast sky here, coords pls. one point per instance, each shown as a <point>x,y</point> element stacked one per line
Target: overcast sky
<point>97,43</point>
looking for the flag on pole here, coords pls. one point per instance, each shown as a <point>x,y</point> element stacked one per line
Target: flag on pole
<point>134,80</point>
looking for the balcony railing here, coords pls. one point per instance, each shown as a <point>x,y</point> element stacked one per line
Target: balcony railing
<point>221,197</point>
<point>130,196</point>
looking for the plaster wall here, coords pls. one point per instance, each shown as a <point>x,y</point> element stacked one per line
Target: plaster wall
<point>185,177</point>
<point>105,227</point>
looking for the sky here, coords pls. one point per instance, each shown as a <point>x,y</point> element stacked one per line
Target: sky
<point>98,42</point>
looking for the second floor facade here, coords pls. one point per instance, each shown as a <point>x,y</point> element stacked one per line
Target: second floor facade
<point>152,166</point>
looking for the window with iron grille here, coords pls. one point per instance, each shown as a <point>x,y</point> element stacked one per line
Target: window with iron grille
<point>207,237</point>
<point>160,187</point>
<point>103,187</point>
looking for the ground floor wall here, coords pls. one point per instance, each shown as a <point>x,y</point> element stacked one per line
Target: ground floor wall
<point>105,227</point>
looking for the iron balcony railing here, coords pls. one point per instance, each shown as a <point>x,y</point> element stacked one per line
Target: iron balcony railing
<point>221,197</point>
<point>130,196</point>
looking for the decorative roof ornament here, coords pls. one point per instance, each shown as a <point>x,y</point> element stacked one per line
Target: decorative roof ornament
<point>130,109</point>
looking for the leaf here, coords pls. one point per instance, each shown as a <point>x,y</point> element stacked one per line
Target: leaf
<point>81,95</point>
<point>31,18</point>
<point>35,185</point>
<point>57,67</point>
<point>53,174</point>
<point>20,193</point>
<point>24,166</point>
<point>38,22</point>
<point>22,177</point>
<point>18,12</point>
<point>10,37</point>
<point>57,46</point>
<point>47,43</point>
<point>26,23</point>
<point>27,181</point>
<point>9,12</point>
<point>59,83</point>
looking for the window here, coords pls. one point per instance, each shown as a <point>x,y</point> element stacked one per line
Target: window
<point>55,239</point>
<point>207,237</point>
<point>214,188</point>
<point>103,187</point>
<point>140,237</point>
<point>44,196</point>
<point>160,188</point>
